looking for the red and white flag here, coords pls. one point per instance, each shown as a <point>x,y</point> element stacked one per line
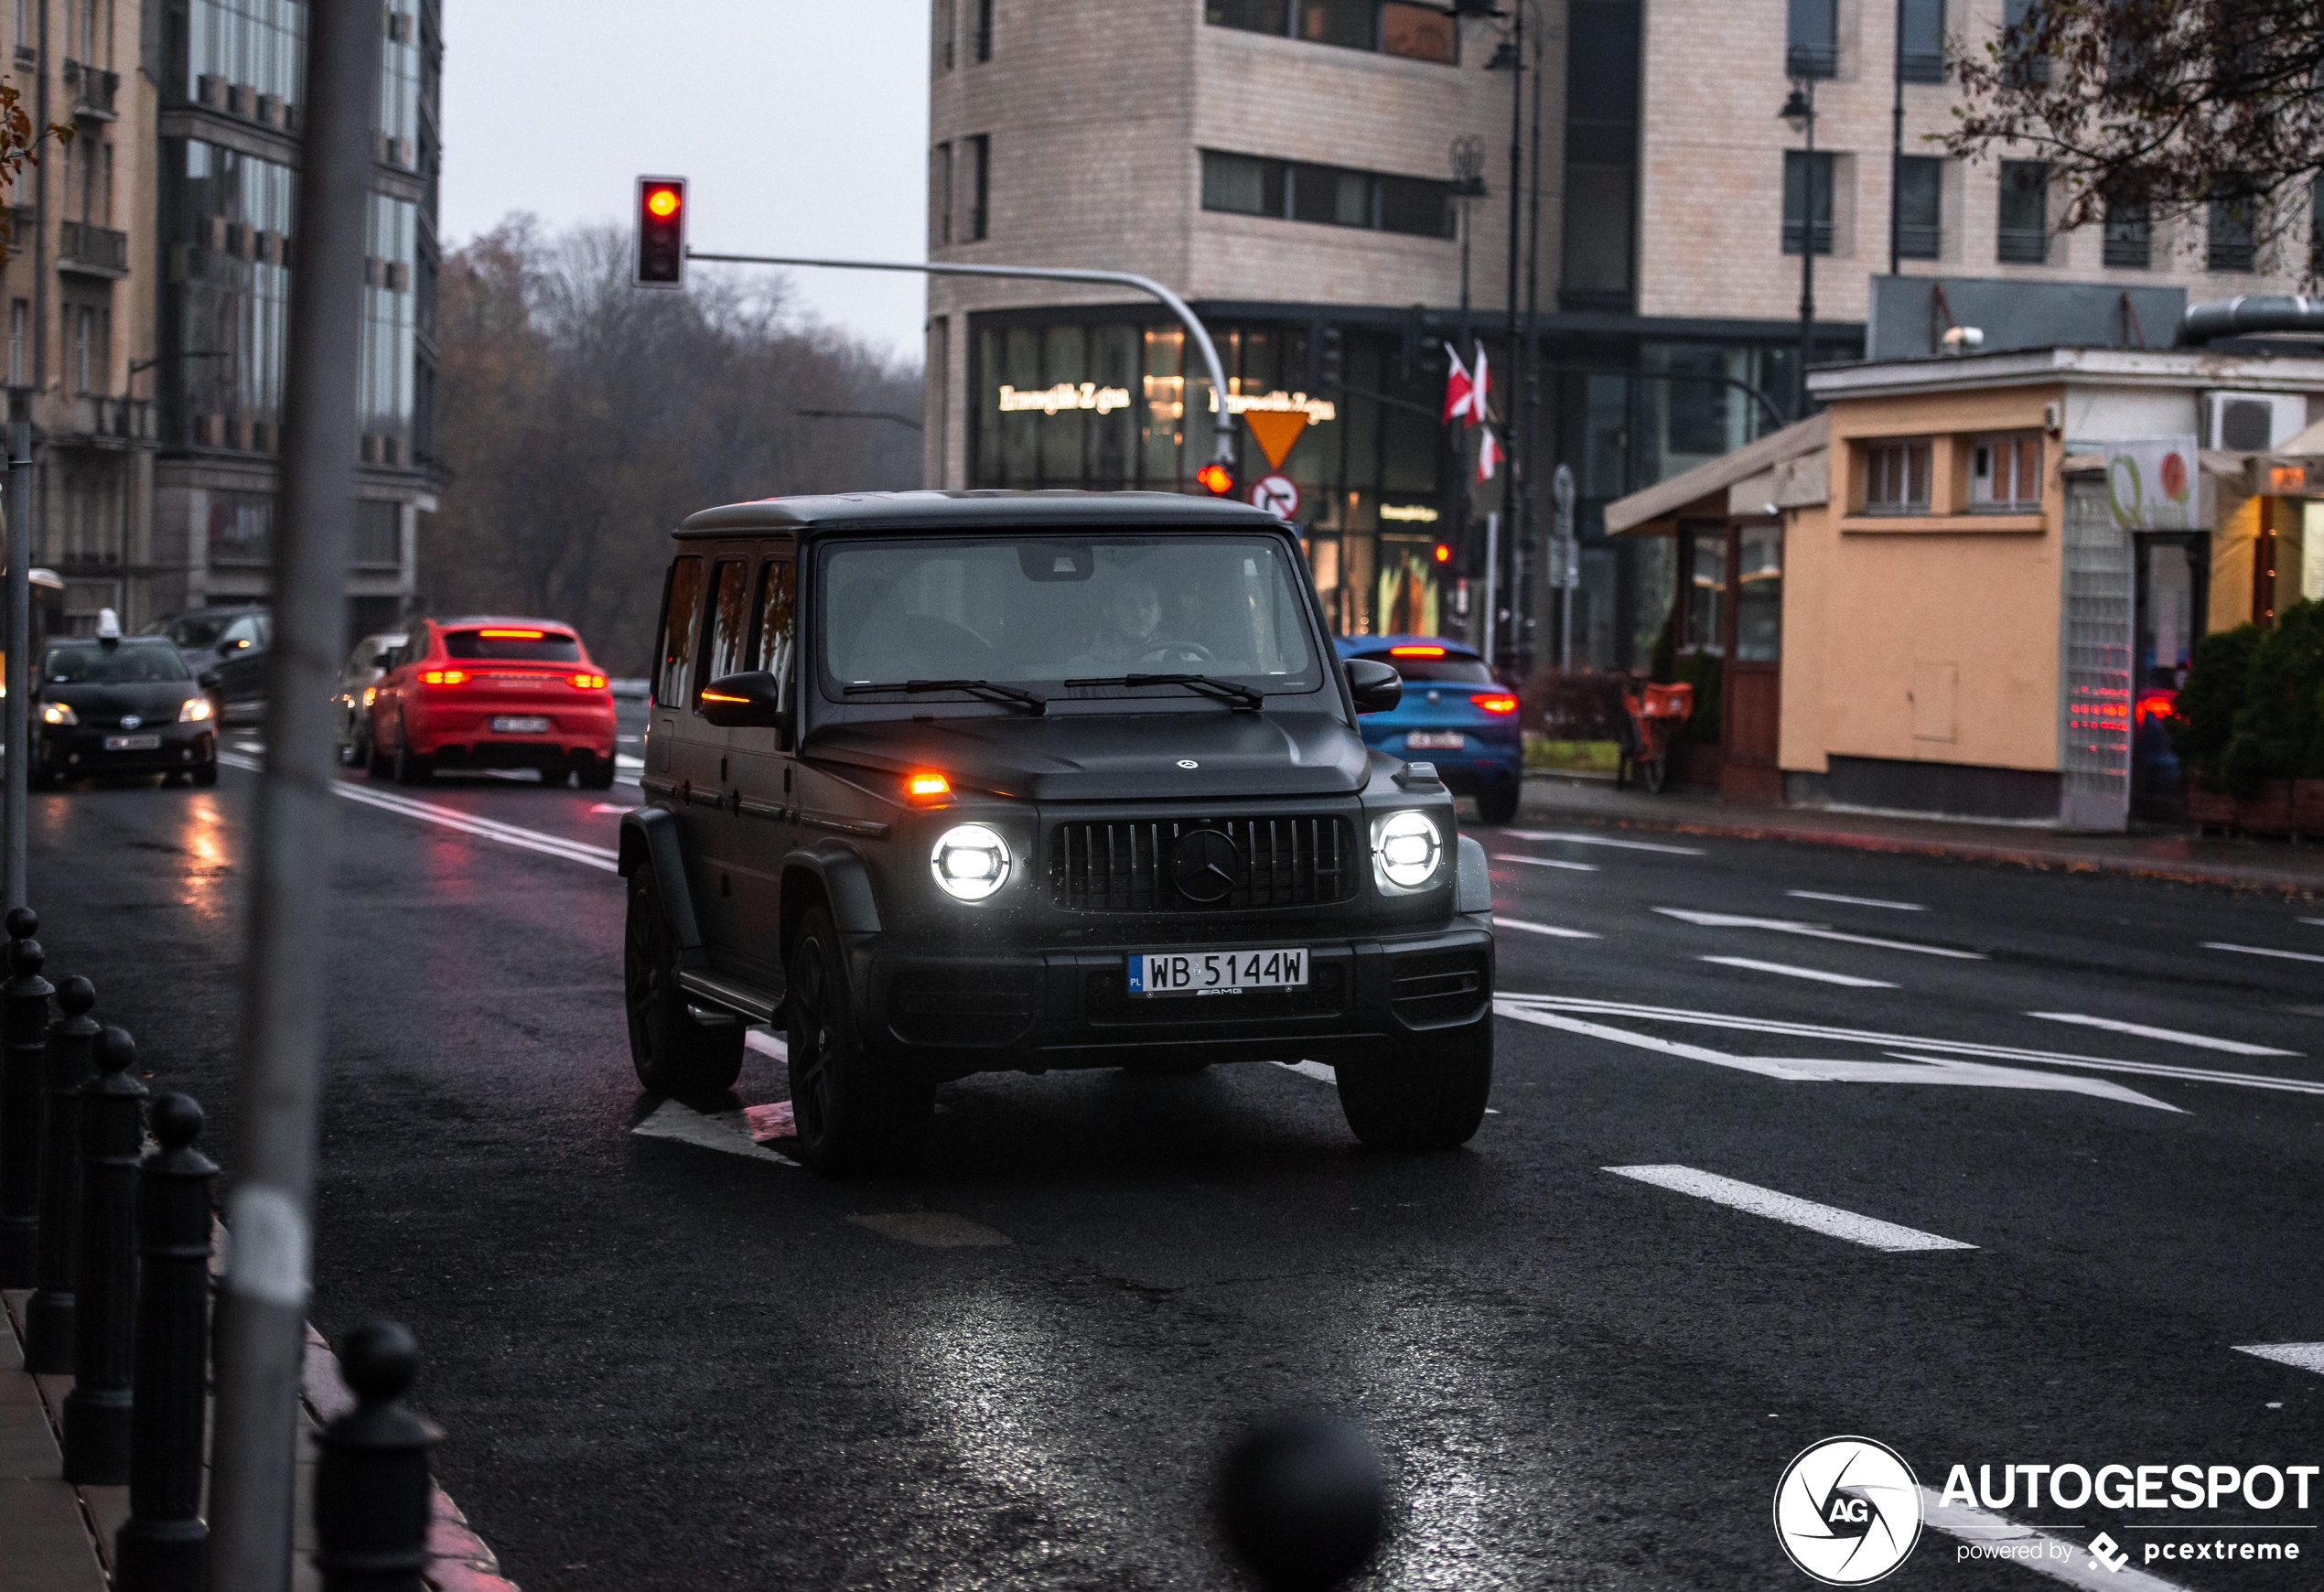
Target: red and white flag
<point>1488,457</point>
<point>1481,390</point>
<point>1460,393</point>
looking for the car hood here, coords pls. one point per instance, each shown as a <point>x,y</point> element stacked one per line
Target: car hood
<point>155,701</point>
<point>1211,751</point>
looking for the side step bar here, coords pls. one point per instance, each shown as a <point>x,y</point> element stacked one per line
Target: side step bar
<point>720,991</point>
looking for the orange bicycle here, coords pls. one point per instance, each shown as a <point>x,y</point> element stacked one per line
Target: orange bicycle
<point>1652,715</point>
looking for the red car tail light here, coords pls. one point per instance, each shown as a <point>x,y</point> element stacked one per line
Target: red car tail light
<point>588,683</point>
<point>445,677</point>
<point>1495,702</point>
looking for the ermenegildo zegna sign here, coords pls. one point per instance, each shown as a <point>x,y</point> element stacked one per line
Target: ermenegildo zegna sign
<point>1068,397</point>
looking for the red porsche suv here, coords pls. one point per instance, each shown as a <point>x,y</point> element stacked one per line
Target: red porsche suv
<point>493,693</point>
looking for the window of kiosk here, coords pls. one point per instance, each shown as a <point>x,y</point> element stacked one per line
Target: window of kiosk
<point>1758,594</point>
<point>1705,596</point>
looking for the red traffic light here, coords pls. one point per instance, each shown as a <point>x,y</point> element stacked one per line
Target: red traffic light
<point>1217,478</point>
<point>1443,553</point>
<point>661,232</point>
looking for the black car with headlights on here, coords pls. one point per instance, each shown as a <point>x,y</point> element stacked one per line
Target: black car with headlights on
<point>116,706</point>
<point>961,782</point>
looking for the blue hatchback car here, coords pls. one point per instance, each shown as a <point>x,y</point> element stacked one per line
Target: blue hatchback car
<point>1454,715</point>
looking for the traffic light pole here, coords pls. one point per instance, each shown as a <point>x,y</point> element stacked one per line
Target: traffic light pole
<point>1224,450</point>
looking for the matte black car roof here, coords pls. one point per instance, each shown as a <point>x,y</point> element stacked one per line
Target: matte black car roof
<point>863,513</point>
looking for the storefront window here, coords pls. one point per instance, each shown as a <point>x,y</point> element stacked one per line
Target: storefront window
<point>1706,627</point>
<point>1758,594</point>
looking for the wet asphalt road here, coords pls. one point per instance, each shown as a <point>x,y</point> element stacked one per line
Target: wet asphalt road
<point>661,1365</point>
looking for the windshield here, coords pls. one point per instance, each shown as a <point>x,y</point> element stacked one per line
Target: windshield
<point>512,645</point>
<point>128,663</point>
<point>1040,612</point>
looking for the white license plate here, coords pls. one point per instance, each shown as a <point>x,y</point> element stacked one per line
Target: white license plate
<point>1202,973</point>
<point>133,743</point>
<point>1435,740</point>
<point>519,726</point>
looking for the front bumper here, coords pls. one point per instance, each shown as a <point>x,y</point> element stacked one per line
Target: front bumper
<point>1069,1007</point>
<point>71,751</point>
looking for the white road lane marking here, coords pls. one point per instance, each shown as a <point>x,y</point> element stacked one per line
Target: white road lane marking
<point>2262,951</point>
<point>1511,1005</point>
<point>767,1043</point>
<point>2031,1549</point>
<point>1753,965</point>
<point>1546,862</point>
<point>1857,901</point>
<point>2176,1036</point>
<point>2299,1356</point>
<point>728,1130</point>
<point>2319,923</point>
<point>1550,929</point>
<point>1828,1220</point>
<point>1903,1068</point>
<point>1786,926</point>
<point>1578,838</point>
<point>1314,1070</point>
<point>557,845</point>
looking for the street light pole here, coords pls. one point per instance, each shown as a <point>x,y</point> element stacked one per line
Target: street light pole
<point>1799,111</point>
<point>1512,497</point>
<point>19,679</point>
<point>262,1306</point>
<point>1223,447</point>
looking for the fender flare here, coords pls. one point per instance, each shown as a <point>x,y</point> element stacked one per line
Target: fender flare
<point>839,873</point>
<point>649,840</point>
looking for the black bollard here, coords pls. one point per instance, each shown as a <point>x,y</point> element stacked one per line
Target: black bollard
<point>165,1546</point>
<point>24,1002</point>
<point>1301,1501</point>
<point>47,1334</point>
<point>372,1495</point>
<point>97,1410</point>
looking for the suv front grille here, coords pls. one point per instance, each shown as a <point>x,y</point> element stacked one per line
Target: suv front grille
<point>1124,866</point>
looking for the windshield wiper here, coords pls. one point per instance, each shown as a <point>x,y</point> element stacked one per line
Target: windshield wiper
<point>1030,700</point>
<point>1243,698</point>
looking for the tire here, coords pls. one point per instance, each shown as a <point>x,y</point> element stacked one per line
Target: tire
<point>1497,804</point>
<point>375,763</point>
<point>1433,1099</point>
<point>205,774</point>
<point>411,768</point>
<point>853,1113</point>
<point>673,1052</point>
<point>597,774</point>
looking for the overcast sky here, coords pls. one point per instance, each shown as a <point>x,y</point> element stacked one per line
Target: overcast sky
<point>801,123</point>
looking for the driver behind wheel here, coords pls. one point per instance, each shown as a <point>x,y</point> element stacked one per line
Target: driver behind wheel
<point>1130,622</point>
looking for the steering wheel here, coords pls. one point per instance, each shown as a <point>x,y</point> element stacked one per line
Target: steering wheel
<point>1175,652</point>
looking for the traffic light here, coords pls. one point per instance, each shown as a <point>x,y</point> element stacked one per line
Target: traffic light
<point>1217,478</point>
<point>1443,553</point>
<point>661,232</point>
<point>1326,359</point>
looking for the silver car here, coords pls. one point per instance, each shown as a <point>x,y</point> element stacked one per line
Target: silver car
<point>352,702</point>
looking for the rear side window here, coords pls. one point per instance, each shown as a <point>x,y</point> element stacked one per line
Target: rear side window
<point>730,622</point>
<point>778,618</point>
<point>681,624</point>
<point>1451,669</point>
<point>512,644</point>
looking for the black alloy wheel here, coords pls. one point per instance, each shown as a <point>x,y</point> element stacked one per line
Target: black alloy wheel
<point>1431,1098</point>
<point>852,1112</point>
<point>376,765</point>
<point>673,1051</point>
<point>594,773</point>
<point>411,768</point>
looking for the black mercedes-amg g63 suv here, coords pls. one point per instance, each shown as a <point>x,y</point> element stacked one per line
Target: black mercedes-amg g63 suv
<point>963,782</point>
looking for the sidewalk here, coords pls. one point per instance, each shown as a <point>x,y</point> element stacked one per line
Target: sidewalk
<point>2271,866</point>
<point>57,1538</point>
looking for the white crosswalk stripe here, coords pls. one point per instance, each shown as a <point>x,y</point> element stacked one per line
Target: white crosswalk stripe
<point>1829,1220</point>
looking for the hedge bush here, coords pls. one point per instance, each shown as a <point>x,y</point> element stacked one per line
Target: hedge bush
<point>2253,708</point>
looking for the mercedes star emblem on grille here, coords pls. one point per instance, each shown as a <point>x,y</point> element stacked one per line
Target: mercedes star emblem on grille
<point>1204,865</point>
<point>130,721</point>
<point>1188,763</point>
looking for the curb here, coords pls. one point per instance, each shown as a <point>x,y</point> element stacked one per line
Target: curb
<point>2227,874</point>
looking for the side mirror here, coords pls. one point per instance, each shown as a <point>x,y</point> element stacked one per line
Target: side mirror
<point>1376,687</point>
<point>748,701</point>
<point>207,678</point>
<point>383,662</point>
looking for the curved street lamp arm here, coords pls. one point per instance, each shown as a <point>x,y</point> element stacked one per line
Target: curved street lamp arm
<point>1225,450</point>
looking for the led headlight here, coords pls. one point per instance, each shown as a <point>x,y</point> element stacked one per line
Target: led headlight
<point>970,862</point>
<point>193,710</point>
<point>1406,852</point>
<point>58,713</point>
